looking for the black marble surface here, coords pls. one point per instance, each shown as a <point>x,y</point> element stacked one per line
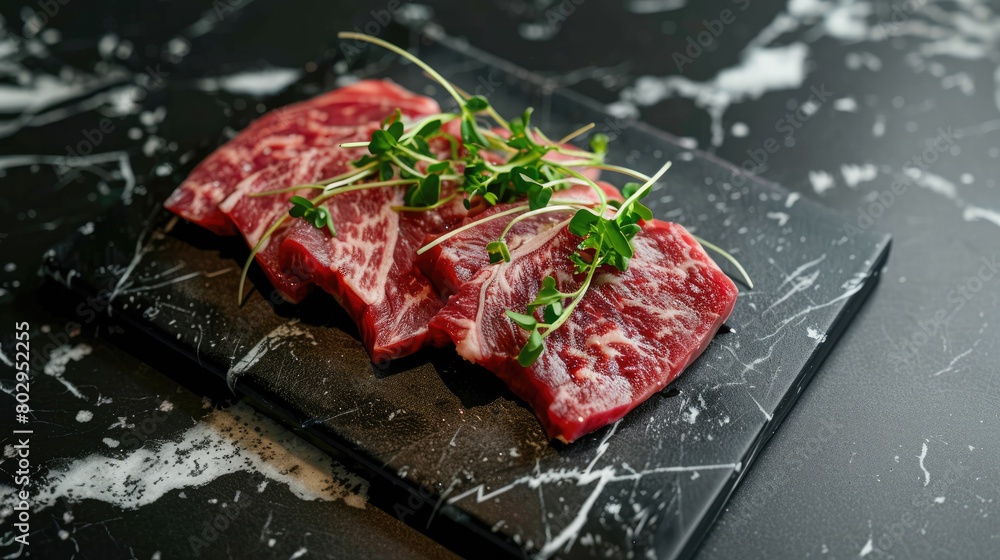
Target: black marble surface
<point>892,452</point>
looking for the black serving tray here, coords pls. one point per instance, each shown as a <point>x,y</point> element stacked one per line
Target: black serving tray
<point>463,450</point>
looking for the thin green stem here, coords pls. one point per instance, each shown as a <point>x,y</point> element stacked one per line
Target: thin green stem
<point>466,227</point>
<point>578,296</point>
<point>728,257</point>
<point>601,195</point>
<point>423,65</point>
<point>545,210</point>
<point>437,204</point>
<point>641,191</point>
<point>575,133</point>
<point>443,117</point>
<point>253,253</point>
<point>405,167</point>
<point>605,166</point>
<point>417,155</point>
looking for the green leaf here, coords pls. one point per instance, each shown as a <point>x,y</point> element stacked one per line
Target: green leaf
<point>616,260</point>
<point>630,188</point>
<point>439,167</point>
<point>580,224</point>
<point>581,264</point>
<point>613,236</point>
<point>526,322</point>
<point>539,197</point>
<point>429,128</point>
<point>546,295</point>
<point>470,132</point>
<point>425,193</point>
<point>409,162</point>
<point>553,311</point>
<point>421,146</point>
<point>320,217</point>
<point>498,251</point>
<point>477,103</point>
<point>300,206</point>
<point>629,230</point>
<point>491,198</point>
<point>385,171</point>
<point>532,349</point>
<point>599,143</point>
<point>642,211</point>
<point>522,123</point>
<point>301,201</point>
<point>524,178</point>
<point>382,142</point>
<point>396,130</point>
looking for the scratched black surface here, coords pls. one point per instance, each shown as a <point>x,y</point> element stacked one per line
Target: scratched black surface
<point>449,430</point>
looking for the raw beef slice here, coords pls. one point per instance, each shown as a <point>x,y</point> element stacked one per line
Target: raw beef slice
<point>283,134</point>
<point>253,216</point>
<point>631,335</point>
<point>369,266</point>
<point>456,260</point>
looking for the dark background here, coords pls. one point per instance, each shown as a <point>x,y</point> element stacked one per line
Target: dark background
<point>843,476</point>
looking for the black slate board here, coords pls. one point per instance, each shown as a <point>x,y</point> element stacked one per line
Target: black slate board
<point>468,451</point>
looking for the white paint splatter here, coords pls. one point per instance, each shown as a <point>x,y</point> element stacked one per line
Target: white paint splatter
<point>760,71</point>
<point>972,213</point>
<point>268,81</point>
<point>816,335</point>
<point>846,104</point>
<point>654,6</point>
<point>238,439</point>
<point>275,339</point>
<point>3,358</point>
<point>867,549</point>
<point>84,416</point>
<point>691,415</point>
<point>781,217</point>
<point>934,183</point>
<point>857,174</point>
<point>821,181</point>
<point>60,358</point>
<point>921,457</point>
